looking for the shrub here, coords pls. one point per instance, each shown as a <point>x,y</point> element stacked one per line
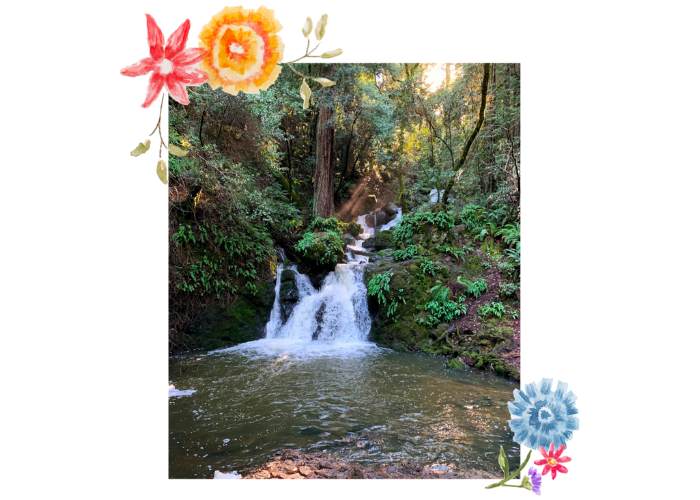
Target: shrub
<point>492,309</point>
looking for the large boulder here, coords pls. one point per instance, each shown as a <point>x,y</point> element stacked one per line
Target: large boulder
<point>242,320</point>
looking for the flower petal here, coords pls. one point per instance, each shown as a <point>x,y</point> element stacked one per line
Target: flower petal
<point>554,473</point>
<point>546,469</point>
<point>560,450</point>
<point>177,89</point>
<point>155,84</point>
<point>563,460</point>
<point>561,469</point>
<point>544,453</point>
<point>551,448</point>
<point>189,76</point>
<point>188,57</point>
<point>155,39</point>
<point>142,67</point>
<point>541,462</point>
<point>177,41</point>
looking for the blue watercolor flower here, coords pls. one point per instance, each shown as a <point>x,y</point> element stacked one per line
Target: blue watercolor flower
<point>542,416</point>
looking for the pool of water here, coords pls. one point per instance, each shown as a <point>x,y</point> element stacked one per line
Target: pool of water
<point>366,404</point>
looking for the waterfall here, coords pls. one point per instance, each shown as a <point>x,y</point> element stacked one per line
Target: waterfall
<point>331,321</point>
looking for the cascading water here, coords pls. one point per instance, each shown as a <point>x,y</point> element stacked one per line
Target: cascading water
<point>331,321</point>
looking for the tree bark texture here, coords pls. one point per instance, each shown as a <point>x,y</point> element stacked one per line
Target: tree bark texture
<point>472,138</point>
<point>325,157</point>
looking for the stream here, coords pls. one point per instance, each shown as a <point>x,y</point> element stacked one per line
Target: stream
<point>315,383</point>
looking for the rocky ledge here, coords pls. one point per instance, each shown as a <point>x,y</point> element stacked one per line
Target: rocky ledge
<point>292,464</point>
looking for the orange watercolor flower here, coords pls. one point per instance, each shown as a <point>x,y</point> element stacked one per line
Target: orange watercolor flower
<point>241,50</point>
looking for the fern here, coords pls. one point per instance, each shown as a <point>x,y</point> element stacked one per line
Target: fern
<point>475,289</point>
<point>378,285</point>
<point>510,233</point>
<point>410,252</point>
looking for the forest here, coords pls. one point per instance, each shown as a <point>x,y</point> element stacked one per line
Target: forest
<point>381,211</point>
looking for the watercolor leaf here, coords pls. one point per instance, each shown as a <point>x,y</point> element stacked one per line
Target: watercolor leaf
<point>305,92</point>
<point>325,82</point>
<point>308,26</point>
<point>503,462</point>
<point>176,150</point>
<point>321,27</point>
<point>162,171</point>
<point>143,148</point>
<point>331,53</point>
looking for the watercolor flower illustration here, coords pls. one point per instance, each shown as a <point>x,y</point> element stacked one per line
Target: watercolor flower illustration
<point>542,416</point>
<point>170,65</point>
<point>241,49</point>
<point>553,460</point>
<point>535,480</point>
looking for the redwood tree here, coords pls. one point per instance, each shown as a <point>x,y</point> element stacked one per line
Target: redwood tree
<point>325,153</point>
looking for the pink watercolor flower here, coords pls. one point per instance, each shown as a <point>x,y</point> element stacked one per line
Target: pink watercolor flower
<point>172,65</point>
<point>553,460</point>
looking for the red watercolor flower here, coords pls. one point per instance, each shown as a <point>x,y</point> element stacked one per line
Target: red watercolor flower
<point>172,65</point>
<point>553,460</point>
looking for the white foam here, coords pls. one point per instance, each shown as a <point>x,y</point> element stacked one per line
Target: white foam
<point>226,475</point>
<point>174,392</point>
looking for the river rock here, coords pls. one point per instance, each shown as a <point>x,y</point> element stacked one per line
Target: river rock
<point>319,321</point>
<point>289,294</point>
<point>381,218</point>
<point>316,274</point>
<point>391,210</point>
<point>320,466</point>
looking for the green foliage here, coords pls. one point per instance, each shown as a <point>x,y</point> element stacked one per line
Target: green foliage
<point>507,269</point>
<point>473,216</point>
<point>440,308</point>
<point>455,364</point>
<point>410,252</point>
<point>410,222</point>
<point>492,251</point>
<point>323,248</point>
<point>495,309</point>
<point>458,253</point>
<point>514,254</point>
<point>510,233</point>
<point>331,224</point>
<point>428,267</point>
<point>474,289</point>
<point>508,290</point>
<point>378,285</point>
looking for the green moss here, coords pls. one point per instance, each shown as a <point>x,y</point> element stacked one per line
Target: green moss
<point>384,239</point>
<point>455,364</point>
<point>354,229</point>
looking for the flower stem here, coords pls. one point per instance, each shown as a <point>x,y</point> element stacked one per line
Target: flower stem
<point>502,482</point>
<point>160,132</point>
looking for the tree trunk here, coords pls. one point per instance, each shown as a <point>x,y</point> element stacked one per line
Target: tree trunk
<point>472,138</point>
<point>325,154</point>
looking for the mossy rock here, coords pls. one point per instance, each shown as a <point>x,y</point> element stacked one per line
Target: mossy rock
<point>406,285</point>
<point>381,241</point>
<point>326,249</point>
<point>353,228</point>
<point>243,320</point>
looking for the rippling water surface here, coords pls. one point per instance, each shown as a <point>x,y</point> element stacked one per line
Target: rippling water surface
<point>358,401</point>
